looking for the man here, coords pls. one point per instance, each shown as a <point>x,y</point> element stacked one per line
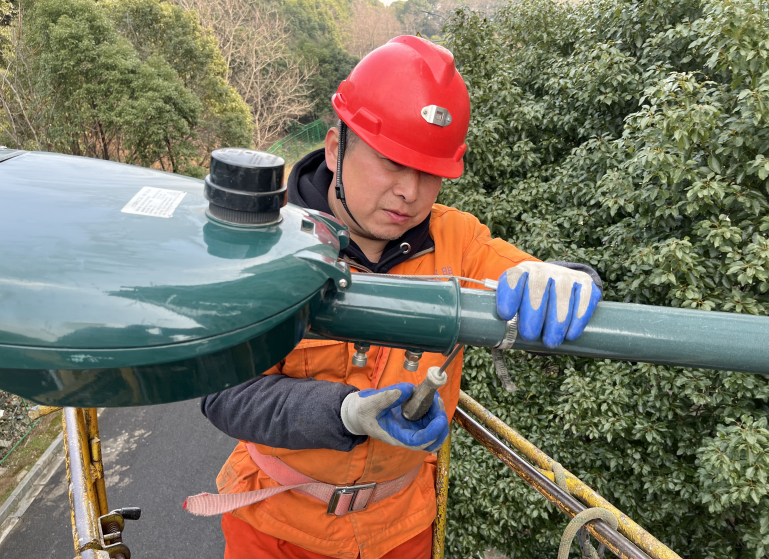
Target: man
<point>315,418</point>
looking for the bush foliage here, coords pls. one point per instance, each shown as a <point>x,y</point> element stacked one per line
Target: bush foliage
<point>632,136</point>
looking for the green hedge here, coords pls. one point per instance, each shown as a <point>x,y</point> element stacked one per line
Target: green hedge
<point>631,136</point>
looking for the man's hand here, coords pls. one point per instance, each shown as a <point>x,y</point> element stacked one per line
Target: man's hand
<point>551,300</point>
<point>377,413</point>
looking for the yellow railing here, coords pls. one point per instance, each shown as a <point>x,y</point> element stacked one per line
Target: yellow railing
<point>571,495</point>
<point>97,532</point>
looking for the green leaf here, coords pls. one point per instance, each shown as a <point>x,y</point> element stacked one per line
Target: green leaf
<point>714,164</point>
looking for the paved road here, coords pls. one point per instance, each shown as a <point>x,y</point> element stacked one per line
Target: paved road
<point>154,457</point>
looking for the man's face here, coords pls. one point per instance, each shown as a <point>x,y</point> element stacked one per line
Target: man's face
<point>385,197</point>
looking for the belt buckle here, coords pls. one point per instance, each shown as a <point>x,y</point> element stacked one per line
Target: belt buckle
<point>349,490</point>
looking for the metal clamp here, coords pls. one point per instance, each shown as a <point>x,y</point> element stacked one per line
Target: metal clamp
<point>436,115</point>
<point>511,333</point>
<point>336,270</point>
<point>350,490</point>
<point>111,527</point>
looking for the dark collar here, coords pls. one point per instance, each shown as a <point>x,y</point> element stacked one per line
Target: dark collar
<point>308,186</point>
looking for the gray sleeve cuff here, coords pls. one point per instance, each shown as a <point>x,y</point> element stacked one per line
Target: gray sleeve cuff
<point>284,412</point>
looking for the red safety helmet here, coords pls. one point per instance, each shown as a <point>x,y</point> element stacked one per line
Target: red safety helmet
<point>407,101</point>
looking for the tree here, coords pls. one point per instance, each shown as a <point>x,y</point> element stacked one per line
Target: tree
<point>320,31</point>
<point>332,65</point>
<point>420,16</point>
<point>6,18</point>
<point>162,30</point>
<point>24,116</point>
<point>271,79</point>
<point>631,136</point>
<point>427,17</point>
<point>316,20</point>
<point>372,26</point>
<point>76,84</point>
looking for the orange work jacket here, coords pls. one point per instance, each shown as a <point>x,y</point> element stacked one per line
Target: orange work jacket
<point>463,247</point>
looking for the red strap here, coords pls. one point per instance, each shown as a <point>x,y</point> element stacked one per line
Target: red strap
<point>206,504</point>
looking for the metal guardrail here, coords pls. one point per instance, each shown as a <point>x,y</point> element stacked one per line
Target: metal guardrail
<point>294,146</point>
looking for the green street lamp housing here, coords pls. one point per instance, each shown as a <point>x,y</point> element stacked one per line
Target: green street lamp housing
<point>119,285</point>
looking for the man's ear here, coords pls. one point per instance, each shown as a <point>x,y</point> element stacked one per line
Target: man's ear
<point>332,148</point>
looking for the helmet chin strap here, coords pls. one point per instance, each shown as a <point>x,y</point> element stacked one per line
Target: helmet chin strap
<point>339,157</point>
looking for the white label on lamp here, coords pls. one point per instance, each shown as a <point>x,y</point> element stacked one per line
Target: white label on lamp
<point>154,202</point>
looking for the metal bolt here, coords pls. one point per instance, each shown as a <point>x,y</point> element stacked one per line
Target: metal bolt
<point>111,538</point>
<point>343,283</point>
<point>359,359</point>
<point>412,360</point>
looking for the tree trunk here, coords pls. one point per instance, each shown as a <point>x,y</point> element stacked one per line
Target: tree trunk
<point>171,155</point>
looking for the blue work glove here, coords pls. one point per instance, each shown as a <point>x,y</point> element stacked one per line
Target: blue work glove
<point>550,300</point>
<point>377,413</point>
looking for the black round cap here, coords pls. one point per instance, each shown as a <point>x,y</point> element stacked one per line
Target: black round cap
<point>246,186</point>
<point>247,169</point>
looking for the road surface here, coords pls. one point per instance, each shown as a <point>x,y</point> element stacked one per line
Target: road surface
<point>154,457</point>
